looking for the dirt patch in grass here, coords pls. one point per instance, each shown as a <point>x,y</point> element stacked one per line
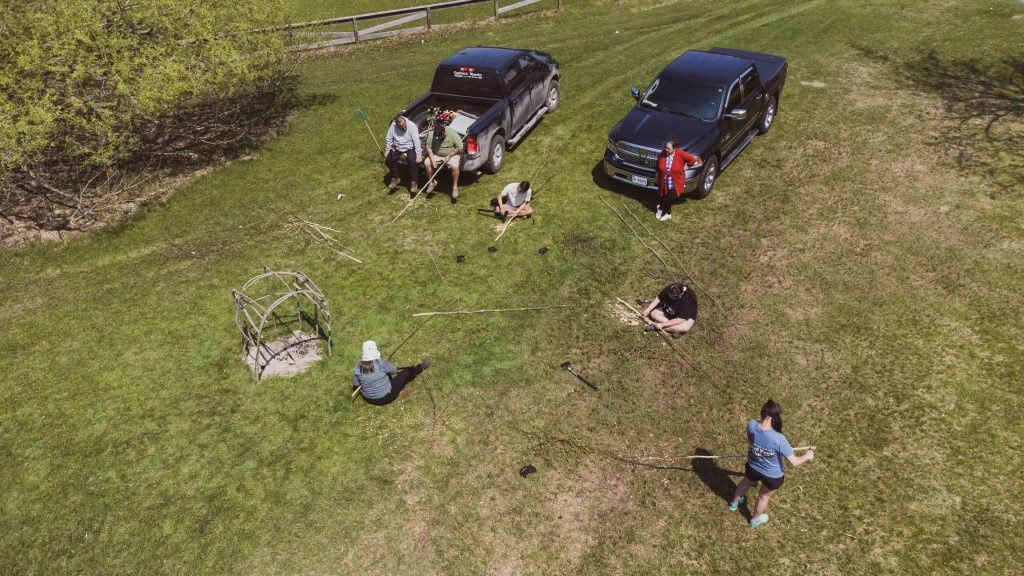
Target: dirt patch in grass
<point>291,355</point>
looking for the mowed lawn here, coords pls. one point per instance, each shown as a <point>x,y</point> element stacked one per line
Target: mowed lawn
<point>865,281</point>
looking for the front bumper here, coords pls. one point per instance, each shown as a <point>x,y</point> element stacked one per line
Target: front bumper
<point>622,171</point>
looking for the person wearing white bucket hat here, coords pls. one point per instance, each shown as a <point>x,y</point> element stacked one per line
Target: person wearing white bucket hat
<point>380,380</point>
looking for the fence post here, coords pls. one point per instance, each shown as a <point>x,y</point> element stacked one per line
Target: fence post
<point>495,9</point>
<point>428,18</point>
<point>558,5</point>
<point>355,31</point>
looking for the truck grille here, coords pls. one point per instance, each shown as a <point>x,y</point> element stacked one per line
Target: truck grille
<point>638,155</point>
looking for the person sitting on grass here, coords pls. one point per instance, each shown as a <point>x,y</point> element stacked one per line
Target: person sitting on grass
<point>674,310</point>
<point>444,147</point>
<point>381,382</point>
<point>514,200</point>
<point>767,448</point>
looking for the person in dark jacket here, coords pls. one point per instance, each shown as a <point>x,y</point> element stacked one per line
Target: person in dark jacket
<point>673,310</point>
<point>672,163</point>
<point>381,382</point>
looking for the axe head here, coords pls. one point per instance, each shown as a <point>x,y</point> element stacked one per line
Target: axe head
<point>567,365</point>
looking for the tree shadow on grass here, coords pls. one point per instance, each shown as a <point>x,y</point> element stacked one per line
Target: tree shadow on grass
<point>984,108</point>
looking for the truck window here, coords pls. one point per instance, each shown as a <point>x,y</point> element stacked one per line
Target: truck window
<point>750,83</point>
<point>680,96</point>
<point>734,97</point>
<point>468,81</point>
<point>514,76</point>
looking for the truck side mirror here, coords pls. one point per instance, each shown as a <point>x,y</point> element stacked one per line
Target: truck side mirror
<point>635,92</point>
<point>737,114</point>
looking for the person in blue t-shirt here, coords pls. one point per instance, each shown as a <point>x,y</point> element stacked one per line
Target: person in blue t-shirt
<point>767,449</point>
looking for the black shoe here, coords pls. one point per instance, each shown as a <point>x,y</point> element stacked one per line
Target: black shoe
<point>643,302</point>
<point>650,327</point>
<point>677,335</point>
<point>425,364</point>
<point>494,202</point>
<point>455,199</point>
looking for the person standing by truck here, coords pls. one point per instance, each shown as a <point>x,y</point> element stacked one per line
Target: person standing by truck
<point>672,163</point>
<point>444,147</point>
<point>403,139</point>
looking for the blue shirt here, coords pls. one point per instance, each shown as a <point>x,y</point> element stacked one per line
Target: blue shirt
<point>376,384</point>
<point>767,448</point>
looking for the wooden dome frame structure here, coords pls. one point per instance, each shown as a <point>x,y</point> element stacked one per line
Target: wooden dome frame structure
<point>273,300</point>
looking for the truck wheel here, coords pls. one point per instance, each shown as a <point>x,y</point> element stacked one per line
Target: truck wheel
<point>496,159</point>
<point>554,96</point>
<point>706,181</point>
<point>771,108</point>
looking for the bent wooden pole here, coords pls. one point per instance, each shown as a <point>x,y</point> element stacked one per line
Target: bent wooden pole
<point>465,312</point>
<point>510,221</point>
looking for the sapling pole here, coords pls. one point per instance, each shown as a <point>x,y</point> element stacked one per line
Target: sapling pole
<point>466,312</point>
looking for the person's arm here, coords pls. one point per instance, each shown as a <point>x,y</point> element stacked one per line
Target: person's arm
<point>501,200</point>
<point>389,139</point>
<point>798,460</point>
<point>654,304</point>
<point>688,158</point>
<point>388,367</point>
<point>355,381</point>
<point>415,132</point>
<point>455,142</point>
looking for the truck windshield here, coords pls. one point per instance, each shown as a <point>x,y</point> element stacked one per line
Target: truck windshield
<point>467,81</point>
<point>681,97</point>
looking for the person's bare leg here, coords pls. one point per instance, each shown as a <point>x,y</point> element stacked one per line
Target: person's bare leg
<point>681,328</point>
<point>526,211</point>
<point>763,496</point>
<point>741,489</point>
<point>658,316</point>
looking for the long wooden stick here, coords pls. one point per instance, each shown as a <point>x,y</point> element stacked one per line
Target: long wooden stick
<point>674,256</point>
<point>464,312</point>
<point>709,456</point>
<point>368,129</point>
<point>510,221</point>
<point>420,191</point>
<point>656,255</point>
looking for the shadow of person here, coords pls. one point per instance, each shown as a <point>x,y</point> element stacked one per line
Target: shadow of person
<point>717,479</point>
<point>649,198</point>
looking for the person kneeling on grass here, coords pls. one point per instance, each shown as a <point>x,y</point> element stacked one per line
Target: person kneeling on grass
<point>444,146</point>
<point>767,448</point>
<point>514,200</point>
<point>674,310</point>
<point>382,383</point>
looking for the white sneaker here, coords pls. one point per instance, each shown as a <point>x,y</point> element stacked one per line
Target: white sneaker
<point>665,217</point>
<point>657,213</point>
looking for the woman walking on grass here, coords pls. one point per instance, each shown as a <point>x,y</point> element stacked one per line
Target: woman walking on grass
<point>767,448</point>
<point>381,382</point>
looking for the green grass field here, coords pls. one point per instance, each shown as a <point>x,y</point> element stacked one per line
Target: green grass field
<point>866,282</point>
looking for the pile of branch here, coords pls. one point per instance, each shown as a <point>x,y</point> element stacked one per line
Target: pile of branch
<point>321,236</point>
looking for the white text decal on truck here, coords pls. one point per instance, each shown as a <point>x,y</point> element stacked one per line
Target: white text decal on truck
<point>467,72</point>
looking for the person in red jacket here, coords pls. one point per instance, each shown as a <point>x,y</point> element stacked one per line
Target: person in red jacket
<point>672,163</point>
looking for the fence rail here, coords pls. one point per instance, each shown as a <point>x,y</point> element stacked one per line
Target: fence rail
<point>300,32</point>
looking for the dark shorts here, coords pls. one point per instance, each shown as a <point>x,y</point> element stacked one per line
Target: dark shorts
<point>769,483</point>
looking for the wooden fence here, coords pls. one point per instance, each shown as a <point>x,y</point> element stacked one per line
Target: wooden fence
<point>325,33</point>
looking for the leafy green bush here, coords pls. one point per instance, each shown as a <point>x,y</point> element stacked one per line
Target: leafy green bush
<point>95,95</point>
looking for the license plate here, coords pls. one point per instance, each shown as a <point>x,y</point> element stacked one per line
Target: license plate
<point>639,180</point>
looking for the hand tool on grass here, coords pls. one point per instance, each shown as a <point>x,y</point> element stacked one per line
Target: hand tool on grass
<point>568,368</point>
<point>379,149</point>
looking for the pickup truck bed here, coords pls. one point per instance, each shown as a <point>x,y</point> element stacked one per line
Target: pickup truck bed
<point>768,66</point>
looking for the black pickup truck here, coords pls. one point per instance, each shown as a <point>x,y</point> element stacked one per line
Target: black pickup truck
<point>497,95</point>
<point>713,102</point>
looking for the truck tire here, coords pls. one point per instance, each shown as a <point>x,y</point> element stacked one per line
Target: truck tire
<point>496,155</point>
<point>554,97</point>
<point>706,180</point>
<point>771,108</point>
